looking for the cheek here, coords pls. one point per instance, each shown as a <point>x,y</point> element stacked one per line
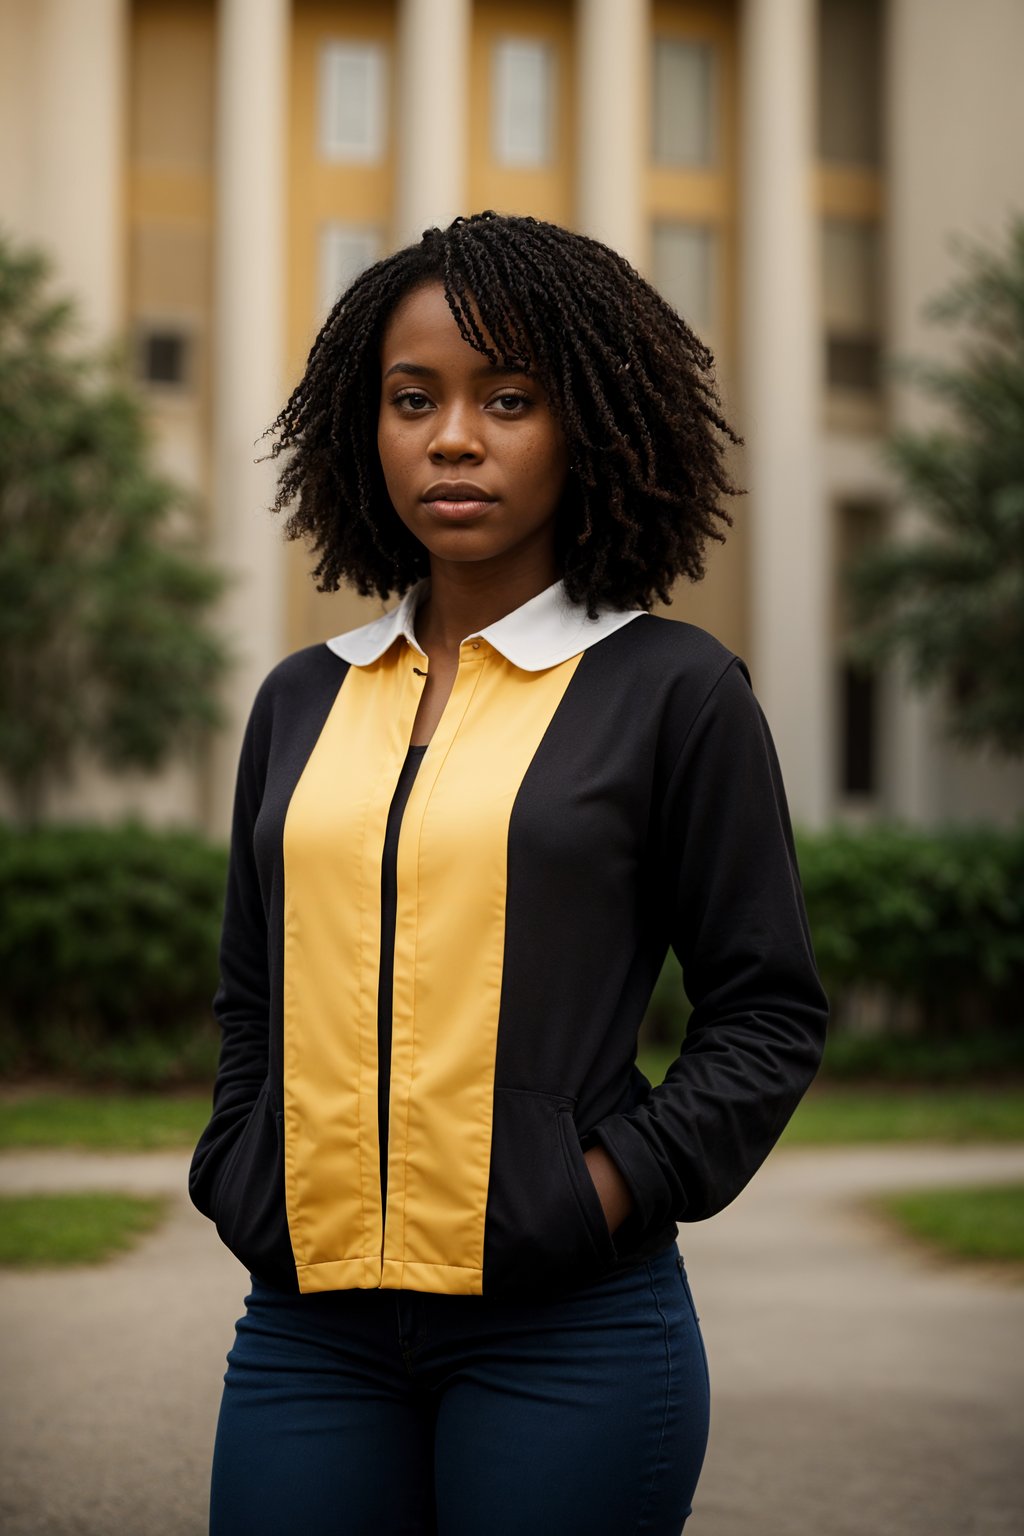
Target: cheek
<point>389,451</point>
<point>549,463</point>
<point>556,451</point>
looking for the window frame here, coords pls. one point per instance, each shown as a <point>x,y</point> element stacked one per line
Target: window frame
<point>711,49</point>
<point>502,104</point>
<point>371,147</point>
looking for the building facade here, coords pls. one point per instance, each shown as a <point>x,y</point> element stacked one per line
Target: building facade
<point>208,175</point>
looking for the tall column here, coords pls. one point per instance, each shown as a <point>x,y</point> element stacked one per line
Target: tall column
<point>433,114</point>
<point>918,186</point>
<point>248,351</point>
<point>783,387</point>
<point>613,39</point>
<point>920,193</point>
<point>71,186</point>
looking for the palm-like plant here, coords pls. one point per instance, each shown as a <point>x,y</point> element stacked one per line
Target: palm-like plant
<point>949,597</point>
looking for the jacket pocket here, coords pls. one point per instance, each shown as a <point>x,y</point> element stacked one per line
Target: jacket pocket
<point>545,1229</point>
<point>247,1202</point>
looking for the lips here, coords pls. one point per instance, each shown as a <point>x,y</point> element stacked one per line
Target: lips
<point>457,500</point>
<point>455,491</point>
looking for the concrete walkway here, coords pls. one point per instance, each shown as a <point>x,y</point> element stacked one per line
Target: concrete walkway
<point>859,1387</point>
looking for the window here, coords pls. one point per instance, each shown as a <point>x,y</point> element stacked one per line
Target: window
<point>164,355</point>
<point>683,103</point>
<point>850,81</point>
<point>345,251</point>
<point>683,263</point>
<point>523,126</point>
<point>859,704</point>
<point>352,102</point>
<point>853,304</point>
<point>860,526</point>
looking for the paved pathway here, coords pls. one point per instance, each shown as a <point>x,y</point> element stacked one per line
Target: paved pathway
<point>859,1388</point>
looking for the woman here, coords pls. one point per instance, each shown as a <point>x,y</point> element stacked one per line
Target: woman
<point>465,836</point>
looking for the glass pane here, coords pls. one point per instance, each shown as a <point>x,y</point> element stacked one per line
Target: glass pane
<point>345,251</point>
<point>859,527</point>
<point>859,704</point>
<point>164,356</point>
<point>683,259</point>
<point>850,81</point>
<point>683,89</point>
<point>852,303</point>
<point>352,101</point>
<point>852,363</point>
<point>851,278</point>
<point>523,105</point>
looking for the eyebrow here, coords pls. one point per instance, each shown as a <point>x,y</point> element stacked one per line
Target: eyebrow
<point>487,370</point>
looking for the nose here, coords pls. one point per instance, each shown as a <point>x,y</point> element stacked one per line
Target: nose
<point>456,435</point>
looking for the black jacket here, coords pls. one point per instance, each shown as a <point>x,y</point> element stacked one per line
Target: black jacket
<point>610,792</point>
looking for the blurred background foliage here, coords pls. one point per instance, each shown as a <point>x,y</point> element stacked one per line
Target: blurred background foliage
<point>108,953</point>
<point>107,649</point>
<point>949,597</point>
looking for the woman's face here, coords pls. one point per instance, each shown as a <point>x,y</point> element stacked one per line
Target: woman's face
<point>474,461</point>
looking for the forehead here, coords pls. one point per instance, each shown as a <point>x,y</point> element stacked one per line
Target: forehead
<point>422,329</point>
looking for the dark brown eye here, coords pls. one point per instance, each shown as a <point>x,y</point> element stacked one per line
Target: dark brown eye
<point>511,402</point>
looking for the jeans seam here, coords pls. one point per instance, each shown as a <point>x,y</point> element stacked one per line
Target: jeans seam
<point>692,1305</point>
<point>641,1518</point>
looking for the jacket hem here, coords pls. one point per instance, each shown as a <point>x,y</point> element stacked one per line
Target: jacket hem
<point>370,1274</point>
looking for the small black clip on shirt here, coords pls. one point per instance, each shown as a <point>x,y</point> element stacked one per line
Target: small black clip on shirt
<point>418,672</point>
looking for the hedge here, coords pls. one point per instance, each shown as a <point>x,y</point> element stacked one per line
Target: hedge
<point>931,918</point>
<point>108,946</point>
<point>108,937</point>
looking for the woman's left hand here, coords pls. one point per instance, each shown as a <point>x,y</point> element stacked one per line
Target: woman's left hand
<point>612,1189</point>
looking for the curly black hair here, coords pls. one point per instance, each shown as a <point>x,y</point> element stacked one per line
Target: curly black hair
<point>629,383</point>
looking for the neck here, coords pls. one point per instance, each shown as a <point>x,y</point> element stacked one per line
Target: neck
<point>467,597</point>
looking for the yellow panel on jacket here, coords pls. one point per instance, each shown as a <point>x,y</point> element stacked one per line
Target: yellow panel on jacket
<point>449,948</point>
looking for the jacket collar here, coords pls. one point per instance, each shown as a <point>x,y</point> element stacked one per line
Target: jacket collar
<point>540,633</point>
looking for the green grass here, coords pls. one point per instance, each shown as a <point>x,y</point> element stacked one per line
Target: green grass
<point>108,1121</point>
<point>984,1223</point>
<point>847,1116</point>
<point>72,1229</point>
<point>850,1114</point>
<point>830,1115</point>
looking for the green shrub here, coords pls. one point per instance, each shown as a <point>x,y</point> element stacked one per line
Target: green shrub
<point>919,1056</point>
<point>919,938</point>
<point>931,921</point>
<point>108,952</point>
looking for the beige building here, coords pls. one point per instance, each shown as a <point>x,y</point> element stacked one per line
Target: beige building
<point>208,174</point>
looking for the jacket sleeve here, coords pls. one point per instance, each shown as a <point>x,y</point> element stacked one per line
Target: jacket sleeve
<point>241,1004</point>
<point>739,927</point>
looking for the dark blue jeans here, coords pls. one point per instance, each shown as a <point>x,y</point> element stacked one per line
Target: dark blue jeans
<point>380,1413</point>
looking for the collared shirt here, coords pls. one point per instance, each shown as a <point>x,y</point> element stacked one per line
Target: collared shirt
<point>540,633</point>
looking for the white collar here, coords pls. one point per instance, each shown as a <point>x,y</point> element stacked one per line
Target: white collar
<point>540,633</point>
